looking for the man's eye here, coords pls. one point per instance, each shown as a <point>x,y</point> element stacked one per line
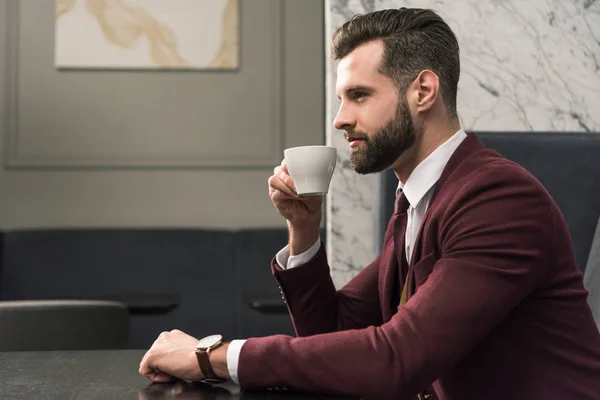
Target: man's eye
<point>359,95</point>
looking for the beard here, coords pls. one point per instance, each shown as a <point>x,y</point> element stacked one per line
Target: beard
<point>380,150</point>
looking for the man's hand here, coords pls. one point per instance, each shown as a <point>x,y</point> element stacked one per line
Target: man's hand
<point>172,356</point>
<point>303,213</point>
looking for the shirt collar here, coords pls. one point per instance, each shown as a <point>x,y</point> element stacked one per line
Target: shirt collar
<point>427,173</point>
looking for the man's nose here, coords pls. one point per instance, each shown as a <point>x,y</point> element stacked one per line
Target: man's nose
<point>344,120</point>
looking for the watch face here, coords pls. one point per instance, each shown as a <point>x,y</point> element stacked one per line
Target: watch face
<point>208,341</point>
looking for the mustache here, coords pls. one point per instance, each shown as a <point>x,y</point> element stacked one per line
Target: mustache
<point>356,135</point>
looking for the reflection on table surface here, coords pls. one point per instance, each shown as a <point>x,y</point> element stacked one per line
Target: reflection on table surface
<point>106,374</point>
<point>182,390</point>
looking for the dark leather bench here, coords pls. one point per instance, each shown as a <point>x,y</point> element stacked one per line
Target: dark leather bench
<point>198,280</point>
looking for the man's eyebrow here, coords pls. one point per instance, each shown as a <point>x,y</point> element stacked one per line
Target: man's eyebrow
<point>357,88</point>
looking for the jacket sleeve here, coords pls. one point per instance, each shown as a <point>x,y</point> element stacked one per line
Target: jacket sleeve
<point>495,236</point>
<point>316,307</point>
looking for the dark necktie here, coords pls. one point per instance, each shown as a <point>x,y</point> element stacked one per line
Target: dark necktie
<point>400,217</point>
<point>401,204</point>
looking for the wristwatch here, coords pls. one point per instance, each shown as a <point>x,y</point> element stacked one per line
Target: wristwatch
<point>203,349</point>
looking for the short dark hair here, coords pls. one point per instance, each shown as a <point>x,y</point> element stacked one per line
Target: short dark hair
<point>414,39</point>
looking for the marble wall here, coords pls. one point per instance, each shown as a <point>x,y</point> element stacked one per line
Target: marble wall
<point>525,66</point>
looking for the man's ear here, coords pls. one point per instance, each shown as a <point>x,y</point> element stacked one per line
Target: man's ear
<point>426,90</point>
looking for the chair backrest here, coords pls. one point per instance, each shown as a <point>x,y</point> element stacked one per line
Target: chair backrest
<point>567,164</point>
<point>591,278</point>
<point>63,325</point>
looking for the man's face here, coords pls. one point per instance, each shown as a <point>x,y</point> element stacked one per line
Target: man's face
<point>377,120</point>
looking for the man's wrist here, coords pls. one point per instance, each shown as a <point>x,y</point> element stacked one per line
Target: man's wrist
<point>218,361</point>
<point>302,238</point>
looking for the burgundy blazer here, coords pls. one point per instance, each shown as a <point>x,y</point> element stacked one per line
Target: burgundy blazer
<point>497,308</point>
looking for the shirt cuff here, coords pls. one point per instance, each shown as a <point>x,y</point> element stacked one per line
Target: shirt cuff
<point>233,359</point>
<point>285,261</point>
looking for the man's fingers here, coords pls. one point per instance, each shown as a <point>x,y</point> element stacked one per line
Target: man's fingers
<point>161,377</point>
<point>275,182</point>
<point>282,172</point>
<point>287,180</point>
<point>152,374</point>
<point>279,197</point>
<point>145,368</point>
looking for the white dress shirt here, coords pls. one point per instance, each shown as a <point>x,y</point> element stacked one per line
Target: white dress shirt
<point>419,186</point>
<point>418,190</point>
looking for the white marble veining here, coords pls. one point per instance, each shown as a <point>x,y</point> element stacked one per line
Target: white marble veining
<point>525,66</point>
<point>532,66</point>
<point>349,200</point>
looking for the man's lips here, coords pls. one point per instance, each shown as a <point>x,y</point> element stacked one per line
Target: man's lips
<point>354,141</point>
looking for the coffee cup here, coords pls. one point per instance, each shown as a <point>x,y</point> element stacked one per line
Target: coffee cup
<point>311,168</point>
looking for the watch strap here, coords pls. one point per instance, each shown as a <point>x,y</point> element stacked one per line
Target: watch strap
<point>206,367</point>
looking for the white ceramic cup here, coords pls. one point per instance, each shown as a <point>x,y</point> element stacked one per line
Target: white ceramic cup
<point>311,168</point>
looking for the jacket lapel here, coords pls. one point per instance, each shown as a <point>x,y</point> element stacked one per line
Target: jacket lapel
<point>388,271</point>
<point>469,146</point>
<point>388,276</point>
<point>390,280</point>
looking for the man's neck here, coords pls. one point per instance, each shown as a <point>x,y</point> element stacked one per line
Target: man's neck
<point>426,143</point>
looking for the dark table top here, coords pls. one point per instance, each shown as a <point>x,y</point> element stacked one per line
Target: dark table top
<point>103,375</point>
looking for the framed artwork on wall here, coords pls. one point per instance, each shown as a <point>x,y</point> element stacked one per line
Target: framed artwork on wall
<point>146,34</point>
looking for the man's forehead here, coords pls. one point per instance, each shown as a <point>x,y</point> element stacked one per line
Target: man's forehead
<point>362,64</point>
<point>366,55</point>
